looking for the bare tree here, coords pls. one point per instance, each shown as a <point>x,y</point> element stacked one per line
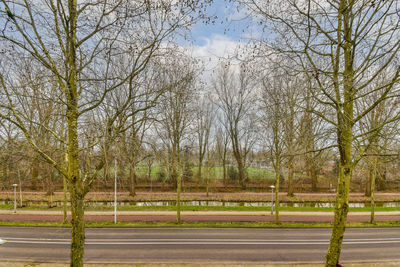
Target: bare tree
<point>81,44</point>
<point>203,121</point>
<point>273,119</point>
<point>175,114</point>
<point>221,146</point>
<point>343,46</point>
<point>236,96</point>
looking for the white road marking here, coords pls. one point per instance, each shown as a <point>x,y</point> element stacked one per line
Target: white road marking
<point>214,241</point>
<point>2,241</point>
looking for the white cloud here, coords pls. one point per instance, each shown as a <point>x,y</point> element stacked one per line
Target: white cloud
<point>215,49</point>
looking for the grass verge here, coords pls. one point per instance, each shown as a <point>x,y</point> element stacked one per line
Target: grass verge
<point>24,264</point>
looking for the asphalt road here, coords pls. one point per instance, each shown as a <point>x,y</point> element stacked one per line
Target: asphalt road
<point>199,245</point>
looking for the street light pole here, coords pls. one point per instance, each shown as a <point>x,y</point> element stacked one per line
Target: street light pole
<point>272,199</point>
<point>15,197</point>
<point>115,192</point>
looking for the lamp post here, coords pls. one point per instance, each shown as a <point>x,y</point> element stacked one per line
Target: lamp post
<point>15,197</point>
<point>272,199</point>
<point>115,192</point>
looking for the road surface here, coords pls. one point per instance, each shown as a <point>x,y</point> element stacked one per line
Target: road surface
<point>199,245</point>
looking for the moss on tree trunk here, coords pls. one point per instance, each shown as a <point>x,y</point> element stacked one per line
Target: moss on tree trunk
<point>77,230</point>
<point>339,223</point>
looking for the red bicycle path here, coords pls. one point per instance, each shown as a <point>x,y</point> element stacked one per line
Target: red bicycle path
<point>201,217</point>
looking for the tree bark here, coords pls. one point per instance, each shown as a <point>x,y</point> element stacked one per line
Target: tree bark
<point>374,162</point>
<point>242,172</point>
<point>178,181</point>
<point>35,173</point>
<point>341,210</point>
<point>65,207</point>
<point>277,180</point>
<point>368,181</point>
<point>78,228</point>
<point>314,177</point>
<point>290,191</point>
<point>65,190</point>
<point>132,180</point>
<point>199,171</point>
<point>382,179</point>
<point>76,188</point>
<point>344,134</point>
<point>75,181</point>
<point>105,169</point>
<point>224,169</point>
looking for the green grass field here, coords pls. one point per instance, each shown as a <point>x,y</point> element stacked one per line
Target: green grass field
<point>215,172</point>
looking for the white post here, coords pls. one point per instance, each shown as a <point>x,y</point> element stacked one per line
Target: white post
<point>115,192</point>
<point>15,197</point>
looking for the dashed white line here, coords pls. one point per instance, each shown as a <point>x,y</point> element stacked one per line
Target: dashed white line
<point>200,241</point>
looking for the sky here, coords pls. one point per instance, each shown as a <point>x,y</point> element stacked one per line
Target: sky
<point>230,22</point>
<point>220,39</point>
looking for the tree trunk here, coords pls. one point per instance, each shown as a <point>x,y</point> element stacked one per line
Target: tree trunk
<point>178,187</point>
<point>178,199</point>
<point>368,183</point>
<point>277,178</point>
<point>208,171</point>
<point>345,140</point>
<point>50,188</point>
<point>35,173</point>
<point>65,189</point>
<point>289,127</point>
<point>132,180</point>
<point>290,191</point>
<point>76,192</point>
<point>149,177</point>
<point>177,173</point>
<point>341,210</point>
<point>242,172</point>
<point>224,170</point>
<point>105,170</point>
<point>75,181</point>
<point>382,179</point>
<point>199,171</point>
<point>78,228</point>
<point>207,186</point>
<point>313,175</point>
<point>345,123</point>
<point>374,162</point>
<point>20,190</point>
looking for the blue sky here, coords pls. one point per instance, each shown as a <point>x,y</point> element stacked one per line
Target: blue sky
<point>230,22</point>
<point>231,29</point>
